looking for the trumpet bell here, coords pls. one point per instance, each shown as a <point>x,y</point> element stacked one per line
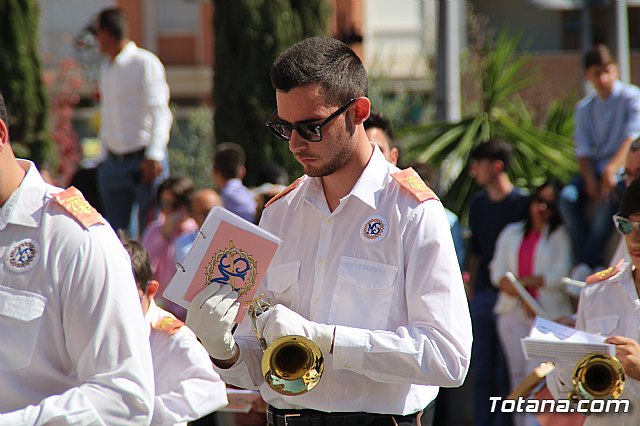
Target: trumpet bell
<point>292,365</point>
<point>598,376</point>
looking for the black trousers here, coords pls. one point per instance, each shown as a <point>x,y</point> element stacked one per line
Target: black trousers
<point>276,417</point>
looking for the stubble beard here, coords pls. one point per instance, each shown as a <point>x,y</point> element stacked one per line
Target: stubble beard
<point>334,163</point>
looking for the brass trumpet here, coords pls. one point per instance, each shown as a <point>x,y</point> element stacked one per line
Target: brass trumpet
<point>597,376</point>
<point>291,365</point>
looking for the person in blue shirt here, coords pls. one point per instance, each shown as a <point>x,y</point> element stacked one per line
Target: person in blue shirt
<point>498,204</point>
<point>228,172</point>
<point>607,121</point>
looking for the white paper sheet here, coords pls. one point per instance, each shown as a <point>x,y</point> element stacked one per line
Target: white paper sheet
<point>555,342</point>
<point>527,297</point>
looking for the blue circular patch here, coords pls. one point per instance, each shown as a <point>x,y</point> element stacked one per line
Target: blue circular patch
<point>22,256</point>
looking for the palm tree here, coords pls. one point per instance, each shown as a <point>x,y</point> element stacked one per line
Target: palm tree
<point>539,152</point>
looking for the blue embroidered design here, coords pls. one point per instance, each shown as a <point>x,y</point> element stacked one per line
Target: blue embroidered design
<point>234,267</point>
<point>373,229</point>
<point>22,255</point>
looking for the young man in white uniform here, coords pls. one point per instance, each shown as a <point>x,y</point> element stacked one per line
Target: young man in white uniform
<point>610,306</point>
<point>367,268</point>
<point>73,347</point>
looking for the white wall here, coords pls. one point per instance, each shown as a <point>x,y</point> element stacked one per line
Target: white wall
<point>399,36</point>
<point>62,20</point>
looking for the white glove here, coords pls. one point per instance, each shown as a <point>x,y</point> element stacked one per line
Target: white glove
<point>210,316</point>
<point>282,321</point>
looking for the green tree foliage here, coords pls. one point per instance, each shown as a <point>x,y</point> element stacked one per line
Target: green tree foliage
<point>20,80</point>
<point>539,151</point>
<point>249,34</point>
<point>191,146</point>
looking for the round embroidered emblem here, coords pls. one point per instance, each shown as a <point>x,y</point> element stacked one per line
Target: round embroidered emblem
<point>374,229</point>
<point>23,256</point>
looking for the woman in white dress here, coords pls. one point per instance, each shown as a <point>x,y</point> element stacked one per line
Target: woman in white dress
<point>537,251</point>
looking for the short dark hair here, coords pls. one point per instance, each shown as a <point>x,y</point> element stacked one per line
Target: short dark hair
<point>114,21</point>
<point>378,120</point>
<point>181,186</point>
<point>324,61</point>
<point>229,159</point>
<point>4,116</point>
<point>493,150</point>
<point>555,220</point>
<point>140,263</point>
<point>598,55</point>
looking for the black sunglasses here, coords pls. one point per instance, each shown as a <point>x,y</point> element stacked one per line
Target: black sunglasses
<point>624,225</point>
<point>311,132</point>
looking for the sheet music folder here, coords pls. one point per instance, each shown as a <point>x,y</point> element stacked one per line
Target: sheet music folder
<point>228,250</point>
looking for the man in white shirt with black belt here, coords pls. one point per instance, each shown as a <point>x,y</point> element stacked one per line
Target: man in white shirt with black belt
<point>135,122</point>
<point>74,349</point>
<point>366,269</point>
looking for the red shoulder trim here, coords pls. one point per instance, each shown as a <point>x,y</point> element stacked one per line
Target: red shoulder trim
<point>74,203</point>
<point>410,180</point>
<point>168,325</point>
<point>285,191</point>
<point>605,273</point>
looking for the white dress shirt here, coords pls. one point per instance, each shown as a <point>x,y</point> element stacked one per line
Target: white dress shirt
<point>187,387</point>
<point>397,299</point>
<point>552,260</point>
<point>610,307</point>
<point>74,349</point>
<point>134,104</point>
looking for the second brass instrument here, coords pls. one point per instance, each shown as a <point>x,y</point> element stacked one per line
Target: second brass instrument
<point>597,376</point>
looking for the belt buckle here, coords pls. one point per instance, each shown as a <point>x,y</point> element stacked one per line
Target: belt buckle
<point>287,416</point>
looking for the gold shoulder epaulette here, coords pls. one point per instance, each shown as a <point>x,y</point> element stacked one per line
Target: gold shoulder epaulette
<point>285,191</point>
<point>74,203</point>
<point>605,274</point>
<point>412,182</point>
<point>168,325</point>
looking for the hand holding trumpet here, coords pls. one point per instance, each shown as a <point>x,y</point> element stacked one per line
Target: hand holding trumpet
<point>281,321</point>
<point>628,353</point>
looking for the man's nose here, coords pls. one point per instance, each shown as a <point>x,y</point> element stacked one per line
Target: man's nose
<point>296,141</point>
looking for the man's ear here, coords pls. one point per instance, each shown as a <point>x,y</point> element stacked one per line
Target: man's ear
<point>394,156</point>
<point>152,289</point>
<point>499,166</point>
<point>4,133</point>
<point>361,108</point>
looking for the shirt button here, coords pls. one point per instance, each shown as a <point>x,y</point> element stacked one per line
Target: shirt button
<point>320,261</point>
<point>329,221</point>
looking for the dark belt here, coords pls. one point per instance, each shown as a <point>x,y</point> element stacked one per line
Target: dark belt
<point>127,155</point>
<point>276,417</point>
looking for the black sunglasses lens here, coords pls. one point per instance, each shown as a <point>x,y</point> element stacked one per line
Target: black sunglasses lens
<point>624,226</point>
<point>280,131</point>
<point>310,132</point>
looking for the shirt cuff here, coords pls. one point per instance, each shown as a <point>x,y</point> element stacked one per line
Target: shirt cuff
<point>348,348</point>
<point>238,374</point>
<point>155,153</point>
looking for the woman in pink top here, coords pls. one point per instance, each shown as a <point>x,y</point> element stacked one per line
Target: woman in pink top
<point>160,236</point>
<point>538,252</point>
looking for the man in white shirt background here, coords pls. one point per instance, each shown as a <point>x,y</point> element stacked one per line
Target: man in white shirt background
<point>366,270</point>
<point>74,349</point>
<point>135,122</point>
